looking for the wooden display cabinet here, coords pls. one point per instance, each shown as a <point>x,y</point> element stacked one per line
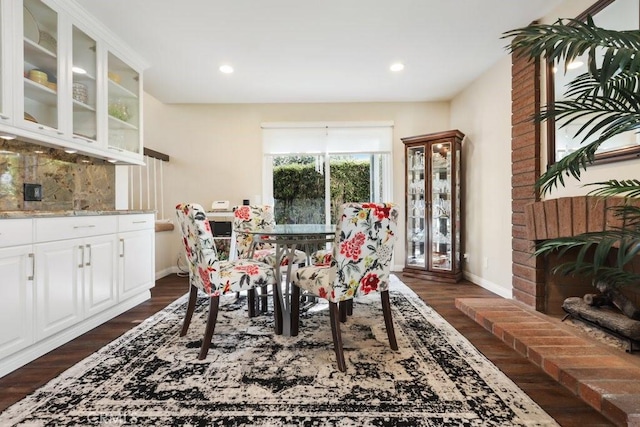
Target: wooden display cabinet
<point>433,206</point>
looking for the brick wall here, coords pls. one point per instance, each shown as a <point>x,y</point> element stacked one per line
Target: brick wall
<point>528,272</point>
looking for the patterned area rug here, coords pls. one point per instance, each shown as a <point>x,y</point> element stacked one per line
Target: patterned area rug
<point>151,377</point>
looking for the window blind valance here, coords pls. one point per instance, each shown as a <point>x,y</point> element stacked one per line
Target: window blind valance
<point>315,138</point>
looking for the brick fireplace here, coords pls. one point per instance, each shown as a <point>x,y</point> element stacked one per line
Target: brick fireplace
<point>527,271</point>
<point>564,217</point>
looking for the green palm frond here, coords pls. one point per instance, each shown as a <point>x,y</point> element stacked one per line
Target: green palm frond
<point>598,246</point>
<point>612,275</point>
<point>570,38</point>
<point>629,188</point>
<point>622,86</point>
<point>569,166</point>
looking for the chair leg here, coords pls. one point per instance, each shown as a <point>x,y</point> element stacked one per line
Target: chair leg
<point>193,296</point>
<point>251,304</point>
<point>334,314</point>
<point>277,309</point>
<point>264,292</point>
<point>295,310</point>
<point>388,322</point>
<point>343,307</point>
<point>350,307</point>
<point>214,302</point>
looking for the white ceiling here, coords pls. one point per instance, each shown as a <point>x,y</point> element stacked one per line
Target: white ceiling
<point>314,50</point>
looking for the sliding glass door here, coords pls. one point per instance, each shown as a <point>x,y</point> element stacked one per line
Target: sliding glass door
<point>309,189</point>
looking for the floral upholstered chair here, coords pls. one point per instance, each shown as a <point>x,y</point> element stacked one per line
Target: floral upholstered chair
<point>212,276</point>
<point>361,263</point>
<point>258,218</point>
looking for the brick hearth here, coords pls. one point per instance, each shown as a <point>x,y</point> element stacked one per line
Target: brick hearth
<point>604,377</point>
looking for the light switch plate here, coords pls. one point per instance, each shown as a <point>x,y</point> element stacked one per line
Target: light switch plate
<point>32,192</point>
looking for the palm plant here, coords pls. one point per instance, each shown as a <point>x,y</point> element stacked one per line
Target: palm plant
<point>607,99</point>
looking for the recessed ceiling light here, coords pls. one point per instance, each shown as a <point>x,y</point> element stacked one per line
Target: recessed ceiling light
<point>227,69</point>
<point>397,67</point>
<point>78,70</point>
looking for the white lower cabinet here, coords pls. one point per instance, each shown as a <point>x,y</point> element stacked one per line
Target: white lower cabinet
<point>76,279</point>
<point>62,276</point>
<point>137,263</point>
<point>58,290</point>
<point>16,285</point>
<point>100,274</point>
<point>16,301</point>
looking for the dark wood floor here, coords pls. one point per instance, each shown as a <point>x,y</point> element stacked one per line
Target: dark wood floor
<point>562,405</point>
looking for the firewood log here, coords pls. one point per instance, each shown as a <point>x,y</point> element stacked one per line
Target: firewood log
<point>624,304</point>
<point>596,300</point>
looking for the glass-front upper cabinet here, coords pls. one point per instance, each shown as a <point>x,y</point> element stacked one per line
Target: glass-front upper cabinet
<point>4,103</point>
<point>124,106</point>
<point>41,65</point>
<point>84,71</point>
<point>433,216</point>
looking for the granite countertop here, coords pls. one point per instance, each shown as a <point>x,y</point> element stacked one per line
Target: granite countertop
<point>88,212</point>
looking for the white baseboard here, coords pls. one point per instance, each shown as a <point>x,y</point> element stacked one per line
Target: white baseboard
<point>24,356</point>
<point>490,286</point>
<point>167,271</point>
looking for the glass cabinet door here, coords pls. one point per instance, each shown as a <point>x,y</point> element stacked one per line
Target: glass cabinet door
<point>416,227</point>
<point>40,32</point>
<point>84,87</point>
<point>441,239</point>
<point>3,63</point>
<point>124,106</point>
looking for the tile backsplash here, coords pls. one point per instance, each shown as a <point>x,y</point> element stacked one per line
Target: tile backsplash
<point>69,181</point>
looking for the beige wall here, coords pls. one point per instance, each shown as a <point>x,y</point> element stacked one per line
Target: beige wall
<point>483,112</point>
<point>216,150</point>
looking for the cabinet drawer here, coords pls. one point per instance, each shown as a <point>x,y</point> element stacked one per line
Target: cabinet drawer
<point>14,232</point>
<point>135,222</point>
<point>48,229</point>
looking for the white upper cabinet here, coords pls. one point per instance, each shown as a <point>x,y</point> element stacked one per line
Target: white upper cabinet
<point>124,106</point>
<point>84,86</point>
<point>41,68</point>
<point>68,82</point>
<point>6,62</point>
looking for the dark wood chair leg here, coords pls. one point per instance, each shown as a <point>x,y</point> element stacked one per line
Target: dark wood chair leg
<point>295,310</point>
<point>388,322</point>
<point>251,304</point>
<point>334,314</point>
<point>349,307</point>
<point>193,296</point>
<point>264,292</point>
<point>214,302</point>
<point>277,309</point>
<point>343,307</point>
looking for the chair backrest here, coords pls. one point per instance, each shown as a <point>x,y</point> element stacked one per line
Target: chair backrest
<point>251,218</point>
<point>365,237</point>
<point>198,244</point>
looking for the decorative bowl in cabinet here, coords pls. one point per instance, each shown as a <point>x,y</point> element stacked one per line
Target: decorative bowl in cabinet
<point>38,76</point>
<point>114,77</point>
<point>48,42</point>
<point>80,92</point>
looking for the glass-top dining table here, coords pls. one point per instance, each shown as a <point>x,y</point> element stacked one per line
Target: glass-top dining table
<point>287,238</point>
